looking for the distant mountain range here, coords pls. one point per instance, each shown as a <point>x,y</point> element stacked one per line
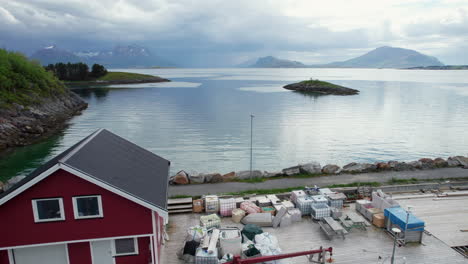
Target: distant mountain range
<point>131,56</point>
<point>383,57</point>
<point>272,62</point>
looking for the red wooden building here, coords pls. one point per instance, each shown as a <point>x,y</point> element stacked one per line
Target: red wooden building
<point>102,201</point>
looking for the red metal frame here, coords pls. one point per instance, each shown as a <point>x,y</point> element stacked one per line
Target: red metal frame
<point>238,260</point>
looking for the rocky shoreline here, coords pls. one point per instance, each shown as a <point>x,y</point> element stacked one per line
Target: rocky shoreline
<point>21,126</point>
<point>315,169</point>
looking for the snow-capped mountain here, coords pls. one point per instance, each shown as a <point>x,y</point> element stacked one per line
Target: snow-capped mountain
<point>119,57</point>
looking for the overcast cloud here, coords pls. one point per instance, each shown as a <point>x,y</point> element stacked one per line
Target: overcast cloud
<point>222,33</point>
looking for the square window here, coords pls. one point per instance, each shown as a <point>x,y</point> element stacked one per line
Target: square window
<point>87,206</point>
<point>50,209</point>
<point>125,246</point>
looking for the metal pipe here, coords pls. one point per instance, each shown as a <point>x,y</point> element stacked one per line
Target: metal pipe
<point>251,143</point>
<point>238,260</point>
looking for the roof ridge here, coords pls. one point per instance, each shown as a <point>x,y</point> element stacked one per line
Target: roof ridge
<point>77,148</point>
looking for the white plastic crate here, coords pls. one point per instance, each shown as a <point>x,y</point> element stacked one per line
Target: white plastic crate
<point>226,206</point>
<point>335,203</point>
<point>319,199</point>
<point>203,257</point>
<point>296,194</point>
<point>304,203</point>
<point>319,211</point>
<point>211,204</point>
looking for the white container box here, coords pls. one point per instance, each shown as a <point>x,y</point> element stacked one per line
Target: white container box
<point>230,241</point>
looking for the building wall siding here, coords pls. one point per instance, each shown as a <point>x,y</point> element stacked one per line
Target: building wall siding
<point>4,257</point>
<point>122,217</point>
<point>79,253</point>
<point>144,253</point>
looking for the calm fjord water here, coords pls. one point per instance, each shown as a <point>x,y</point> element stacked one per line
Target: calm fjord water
<point>201,120</point>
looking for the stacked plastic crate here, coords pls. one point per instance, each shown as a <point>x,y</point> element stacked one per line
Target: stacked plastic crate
<point>336,200</point>
<point>226,206</point>
<point>211,204</point>
<point>319,199</point>
<point>319,211</point>
<point>296,194</point>
<point>304,204</point>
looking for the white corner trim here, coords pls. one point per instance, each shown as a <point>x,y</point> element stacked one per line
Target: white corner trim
<point>29,184</point>
<point>76,213</point>
<point>11,260</point>
<point>112,189</point>
<point>36,213</point>
<point>66,252</point>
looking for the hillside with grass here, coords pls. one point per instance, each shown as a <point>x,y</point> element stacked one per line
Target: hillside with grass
<point>33,102</point>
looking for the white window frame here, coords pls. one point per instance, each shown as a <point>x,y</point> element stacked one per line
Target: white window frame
<point>76,213</point>
<point>135,243</point>
<point>36,213</point>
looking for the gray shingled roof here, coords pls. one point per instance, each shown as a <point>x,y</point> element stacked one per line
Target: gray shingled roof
<point>117,162</point>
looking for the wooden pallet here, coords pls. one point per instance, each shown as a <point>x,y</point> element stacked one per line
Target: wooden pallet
<point>182,205</point>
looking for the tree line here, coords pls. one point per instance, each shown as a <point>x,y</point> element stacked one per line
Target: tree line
<point>76,71</point>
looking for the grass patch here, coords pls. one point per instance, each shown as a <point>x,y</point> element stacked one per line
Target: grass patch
<point>394,181</point>
<point>355,184</point>
<point>119,76</point>
<point>181,196</point>
<point>253,180</point>
<point>265,191</point>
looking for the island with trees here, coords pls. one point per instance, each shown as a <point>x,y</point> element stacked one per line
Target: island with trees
<point>78,74</point>
<point>318,87</point>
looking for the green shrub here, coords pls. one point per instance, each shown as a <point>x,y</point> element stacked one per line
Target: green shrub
<point>23,81</point>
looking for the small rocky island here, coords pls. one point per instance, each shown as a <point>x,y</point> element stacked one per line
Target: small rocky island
<point>320,87</point>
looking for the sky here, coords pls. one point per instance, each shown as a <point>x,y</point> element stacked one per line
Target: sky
<point>222,33</point>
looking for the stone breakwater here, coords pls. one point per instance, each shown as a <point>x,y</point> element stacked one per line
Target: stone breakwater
<point>314,168</point>
<point>20,126</point>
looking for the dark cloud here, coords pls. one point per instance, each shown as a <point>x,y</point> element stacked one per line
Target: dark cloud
<point>196,33</point>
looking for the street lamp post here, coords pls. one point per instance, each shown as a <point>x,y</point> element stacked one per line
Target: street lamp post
<point>251,143</point>
<point>407,219</point>
<point>395,231</point>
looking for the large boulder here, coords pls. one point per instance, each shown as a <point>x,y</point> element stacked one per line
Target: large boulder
<point>331,169</point>
<point>181,178</point>
<point>403,166</point>
<point>416,164</point>
<point>195,177</point>
<point>463,161</point>
<point>427,163</point>
<point>229,176</point>
<point>440,163</point>
<point>354,167</point>
<point>292,170</point>
<point>246,174</point>
<point>216,178</point>
<point>453,162</point>
<point>392,164</point>
<point>382,166</point>
<point>267,174</point>
<point>310,168</point>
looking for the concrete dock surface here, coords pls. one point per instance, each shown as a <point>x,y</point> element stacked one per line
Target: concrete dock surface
<point>443,219</point>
